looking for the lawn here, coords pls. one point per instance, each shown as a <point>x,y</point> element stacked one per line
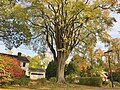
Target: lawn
<point>63,87</point>
<point>37,85</point>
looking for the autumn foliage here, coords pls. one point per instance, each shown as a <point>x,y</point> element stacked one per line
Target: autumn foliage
<point>9,69</point>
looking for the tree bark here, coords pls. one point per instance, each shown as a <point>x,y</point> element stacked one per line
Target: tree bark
<point>60,72</point>
<point>61,58</point>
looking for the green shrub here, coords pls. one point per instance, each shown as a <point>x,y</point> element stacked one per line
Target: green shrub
<point>92,81</point>
<point>43,81</point>
<point>108,83</point>
<point>53,79</point>
<point>5,84</point>
<point>71,78</point>
<point>116,84</point>
<point>71,68</point>
<point>35,84</point>
<point>51,70</point>
<point>22,81</point>
<point>116,76</point>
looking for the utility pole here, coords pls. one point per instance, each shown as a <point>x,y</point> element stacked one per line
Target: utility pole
<point>110,71</point>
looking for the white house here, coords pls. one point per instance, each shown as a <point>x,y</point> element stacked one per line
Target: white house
<point>33,73</point>
<point>36,73</point>
<point>24,62</point>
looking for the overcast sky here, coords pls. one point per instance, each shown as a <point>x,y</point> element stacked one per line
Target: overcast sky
<point>25,50</point>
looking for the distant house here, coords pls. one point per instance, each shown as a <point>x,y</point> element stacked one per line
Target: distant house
<point>36,73</point>
<point>24,62</point>
<point>33,73</point>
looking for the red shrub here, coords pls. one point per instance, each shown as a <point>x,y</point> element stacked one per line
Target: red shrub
<point>9,69</point>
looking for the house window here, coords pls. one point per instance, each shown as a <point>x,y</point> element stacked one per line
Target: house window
<point>24,64</point>
<point>36,74</point>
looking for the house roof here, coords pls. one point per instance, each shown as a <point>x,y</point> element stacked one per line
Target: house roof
<point>20,58</point>
<point>36,70</point>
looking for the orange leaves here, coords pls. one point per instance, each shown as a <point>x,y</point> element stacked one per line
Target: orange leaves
<point>80,62</point>
<point>98,54</point>
<point>19,12</point>
<point>116,43</point>
<point>115,47</point>
<point>9,69</point>
<point>111,1</point>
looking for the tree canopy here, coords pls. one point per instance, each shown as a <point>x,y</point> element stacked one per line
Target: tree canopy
<point>62,25</point>
<point>39,61</point>
<point>13,30</point>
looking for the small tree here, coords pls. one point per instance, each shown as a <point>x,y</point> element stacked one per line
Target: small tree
<point>39,61</point>
<point>77,66</point>
<point>71,68</point>
<point>51,69</point>
<point>35,62</point>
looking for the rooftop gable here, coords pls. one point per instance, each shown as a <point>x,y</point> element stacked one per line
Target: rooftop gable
<point>20,58</point>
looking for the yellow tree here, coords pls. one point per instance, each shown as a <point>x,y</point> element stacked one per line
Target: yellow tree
<point>68,24</point>
<point>115,54</point>
<point>115,46</point>
<point>39,61</point>
<point>80,62</point>
<point>64,25</point>
<point>95,58</point>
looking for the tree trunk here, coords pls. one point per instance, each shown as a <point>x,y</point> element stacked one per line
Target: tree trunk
<point>60,72</point>
<point>62,57</point>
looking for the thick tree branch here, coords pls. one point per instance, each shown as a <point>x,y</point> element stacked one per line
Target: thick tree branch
<point>50,45</point>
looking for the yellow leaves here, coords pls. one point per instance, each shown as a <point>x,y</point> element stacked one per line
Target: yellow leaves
<point>65,39</point>
<point>62,25</point>
<point>81,21</point>
<point>7,11</point>
<point>80,62</point>
<point>17,6</point>
<point>111,1</point>
<point>20,13</point>
<point>115,43</point>
<point>89,15</point>
<point>98,54</point>
<point>62,49</point>
<point>106,12</point>
<point>105,35</point>
<point>89,11</point>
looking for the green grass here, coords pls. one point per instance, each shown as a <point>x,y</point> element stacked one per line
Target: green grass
<point>47,85</point>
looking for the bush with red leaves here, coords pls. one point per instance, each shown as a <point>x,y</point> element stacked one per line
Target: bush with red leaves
<point>9,69</point>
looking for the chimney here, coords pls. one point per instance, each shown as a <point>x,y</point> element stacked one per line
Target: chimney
<point>19,53</point>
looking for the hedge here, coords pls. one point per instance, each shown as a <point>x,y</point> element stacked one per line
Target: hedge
<point>92,81</point>
<point>116,76</point>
